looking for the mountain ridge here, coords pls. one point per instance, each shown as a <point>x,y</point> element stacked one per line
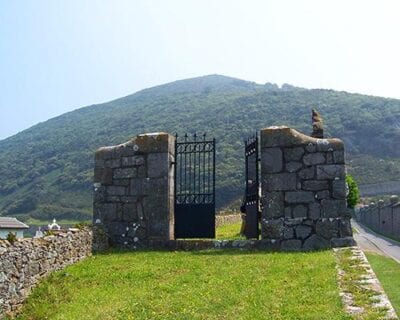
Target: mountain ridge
<point>46,170</point>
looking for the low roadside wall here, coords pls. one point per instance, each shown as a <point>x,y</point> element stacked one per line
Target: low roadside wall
<point>221,220</point>
<point>25,262</point>
<point>382,218</point>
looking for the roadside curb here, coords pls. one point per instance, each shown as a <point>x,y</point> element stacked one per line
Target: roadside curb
<point>360,289</point>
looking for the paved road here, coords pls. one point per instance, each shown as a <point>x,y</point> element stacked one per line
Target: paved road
<point>371,241</point>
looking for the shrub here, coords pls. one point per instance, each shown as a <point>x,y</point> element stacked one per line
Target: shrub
<point>11,237</point>
<point>353,196</point>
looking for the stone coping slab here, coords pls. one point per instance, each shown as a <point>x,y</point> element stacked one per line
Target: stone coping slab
<point>204,244</point>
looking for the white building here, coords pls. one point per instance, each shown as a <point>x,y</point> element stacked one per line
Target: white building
<point>8,224</point>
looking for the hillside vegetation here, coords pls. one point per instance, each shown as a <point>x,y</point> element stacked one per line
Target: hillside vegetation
<point>46,171</point>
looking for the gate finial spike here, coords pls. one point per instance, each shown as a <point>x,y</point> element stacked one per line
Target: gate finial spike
<point>204,136</point>
<point>195,136</point>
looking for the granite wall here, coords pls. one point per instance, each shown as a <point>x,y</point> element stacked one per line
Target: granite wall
<point>134,189</point>
<point>382,217</point>
<point>303,191</point>
<point>25,262</point>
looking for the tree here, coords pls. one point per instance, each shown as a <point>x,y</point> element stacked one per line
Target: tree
<point>353,195</point>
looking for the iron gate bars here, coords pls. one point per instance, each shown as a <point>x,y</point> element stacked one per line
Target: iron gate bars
<point>252,197</point>
<point>194,187</point>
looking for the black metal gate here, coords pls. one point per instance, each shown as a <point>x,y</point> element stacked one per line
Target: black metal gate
<point>252,197</point>
<point>194,188</point>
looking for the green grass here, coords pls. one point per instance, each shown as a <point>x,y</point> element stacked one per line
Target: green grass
<point>388,272</point>
<point>229,231</point>
<point>352,282</point>
<point>211,284</point>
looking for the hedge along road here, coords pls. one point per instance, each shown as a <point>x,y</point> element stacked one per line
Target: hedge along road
<point>369,240</point>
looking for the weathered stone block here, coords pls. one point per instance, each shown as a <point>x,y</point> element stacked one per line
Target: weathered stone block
<point>288,212</point>
<point>125,173</point>
<point>327,228</point>
<point>103,176</point>
<point>116,191</point>
<point>129,199</point>
<point>339,189</point>
<point>133,161</point>
<point>325,194</point>
<point>299,197</point>
<point>315,185</point>
<point>277,137</point>
<point>315,242</point>
<point>338,157</point>
<point>311,147</point>
<point>273,229</point>
<point>293,166</point>
<point>99,194</point>
<point>139,187</point>
<point>129,212</point>
<point>288,233</point>
<point>105,212</point>
<point>329,145</point>
<point>345,228</point>
<point>121,182</point>
<point>291,245</point>
<point>343,242</point>
<point>300,211</point>
<point>307,173</point>
<point>293,222</point>
<point>329,157</point>
<point>280,181</point>
<point>303,232</point>
<point>330,171</point>
<point>314,210</point>
<point>312,159</point>
<point>333,208</point>
<point>112,163</point>
<point>274,205</point>
<point>157,165</point>
<point>271,160</point>
<point>293,154</point>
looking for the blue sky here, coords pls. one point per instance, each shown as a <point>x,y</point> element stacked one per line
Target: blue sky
<point>56,56</point>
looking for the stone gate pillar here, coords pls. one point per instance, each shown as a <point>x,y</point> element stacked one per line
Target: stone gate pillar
<point>134,189</point>
<point>303,191</point>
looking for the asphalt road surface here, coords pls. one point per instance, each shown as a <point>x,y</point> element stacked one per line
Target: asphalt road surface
<point>368,240</point>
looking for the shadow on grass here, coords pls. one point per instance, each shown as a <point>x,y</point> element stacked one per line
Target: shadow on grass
<point>206,252</point>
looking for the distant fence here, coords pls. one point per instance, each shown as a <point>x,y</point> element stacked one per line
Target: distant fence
<point>382,218</point>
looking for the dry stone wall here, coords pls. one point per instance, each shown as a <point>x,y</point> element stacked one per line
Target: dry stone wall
<point>25,262</point>
<point>303,191</point>
<point>134,189</point>
<point>222,220</point>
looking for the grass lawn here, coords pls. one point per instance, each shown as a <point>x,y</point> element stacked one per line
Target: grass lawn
<point>388,273</point>
<point>211,284</point>
<point>229,231</point>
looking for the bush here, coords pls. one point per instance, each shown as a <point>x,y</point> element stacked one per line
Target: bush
<point>11,237</point>
<point>353,196</point>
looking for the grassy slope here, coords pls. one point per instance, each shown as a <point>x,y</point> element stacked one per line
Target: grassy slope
<point>191,285</point>
<point>388,273</point>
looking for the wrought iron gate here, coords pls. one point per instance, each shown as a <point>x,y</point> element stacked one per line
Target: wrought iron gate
<point>194,187</point>
<point>252,198</point>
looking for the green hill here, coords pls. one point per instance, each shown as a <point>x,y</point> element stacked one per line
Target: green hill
<point>46,171</point>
